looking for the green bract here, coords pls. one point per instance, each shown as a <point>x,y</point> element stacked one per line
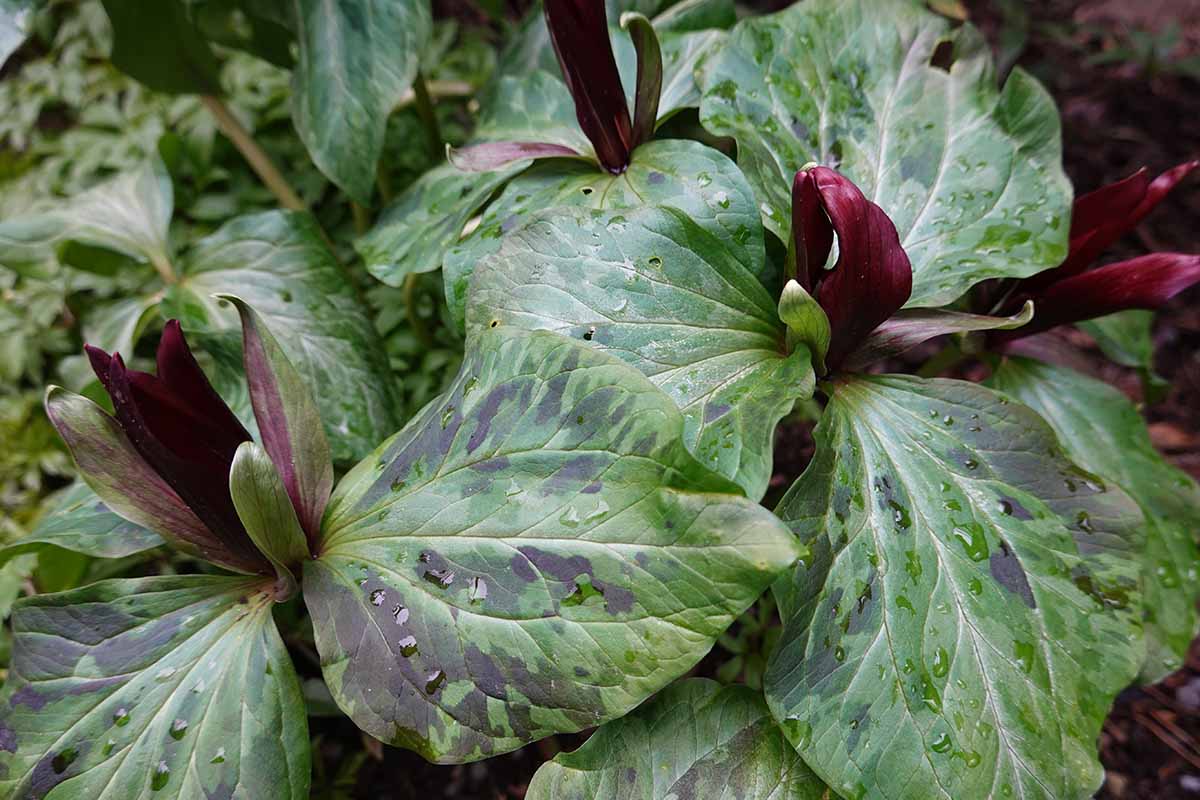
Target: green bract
<point>657,290</point>
<point>1102,431</point>
<point>694,739</point>
<point>536,552</point>
<point>170,687</point>
<point>962,573</point>
<point>970,174</point>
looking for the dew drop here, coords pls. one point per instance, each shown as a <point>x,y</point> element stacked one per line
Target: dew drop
<point>377,597</point>
<point>408,646</point>
<point>178,729</point>
<point>165,673</point>
<point>941,744</point>
<point>590,333</point>
<point>441,578</point>
<point>162,774</point>
<point>970,463</point>
<point>400,614</point>
<point>1025,654</point>
<point>108,747</point>
<point>570,517</point>
<point>397,485</point>
<point>600,510</point>
<point>941,663</point>
<point>434,681</point>
<point>218,757</point>
<point>513,488</point>
<point>655,262</point>
<point>931,696</point>
<point>479,590</point>
<point>447,416</point>
<point>121,717</point>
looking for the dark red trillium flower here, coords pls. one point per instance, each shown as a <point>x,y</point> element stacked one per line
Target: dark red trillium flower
<point>872,278</point>
<point>186,433</point>
<point>1075,290</point>
<point>579,34</point>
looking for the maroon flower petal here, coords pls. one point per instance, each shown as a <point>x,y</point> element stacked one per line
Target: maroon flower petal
<point>1144,282</point>
<point>200,477</point>
<point>811,231</point>
<point>183,378</point>
<point>1101,217</point>
<point>872,279</point>
<point>579,32</point>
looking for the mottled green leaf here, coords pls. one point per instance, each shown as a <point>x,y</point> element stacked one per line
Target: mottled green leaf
<point>166,687</point>
<point>971,607</point>
<point>971,175</point>
<point>530,104</point>
<point>656,290</point>
<point>694,739</point>
<point>535,552</point>
<point>159,45</point>
<point>696,179</point>
<point>1103,432</point>
<point>16,21</point>
<point>357,58</point>
<point>80,522</point>
<point>129,214</point>
<point>415,232</point>
<point>277,263</point>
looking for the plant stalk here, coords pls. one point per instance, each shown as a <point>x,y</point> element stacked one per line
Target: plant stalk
<point>259,161</point>
<point>162,265</point>
<point>428,115</point>
<point>410,306</point>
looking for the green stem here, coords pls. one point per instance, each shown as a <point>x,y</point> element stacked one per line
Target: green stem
<point>362,220</point>
<point>259,161</point>
<point>428,115</point>
<point>410,305</point>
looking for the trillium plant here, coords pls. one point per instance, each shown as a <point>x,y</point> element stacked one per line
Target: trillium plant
<point>664,239</point>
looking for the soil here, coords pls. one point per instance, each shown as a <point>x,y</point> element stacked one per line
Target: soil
<point>1117,118</point>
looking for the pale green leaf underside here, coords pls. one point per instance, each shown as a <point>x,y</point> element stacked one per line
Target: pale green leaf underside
<point>953,635</point>
<point>277,263</point>
<point>535,553</point>
<point>696,179</point>
<point>166,687</point>
<point>970,175</point>
<point>357,58</point>
<point>655,289</point>
<point>81,523</point>
<point>695,739</point>
<point>1103,432</point>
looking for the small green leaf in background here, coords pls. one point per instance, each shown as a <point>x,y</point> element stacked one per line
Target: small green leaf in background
<point>357,59</point>
<point>277,262</point>
<point>1125,337</point>
<point>536,552</point>
<point>972,603</point>
<point>129,214</point>
<point>165,687</point>
<point>656,289</point>
<point>415,232</point>
<point>971,175</point>
<point>16,20</point>
<point>693,739</point>
<point>80,522</point>
<point>158,45</point>
<point>1103,432</point>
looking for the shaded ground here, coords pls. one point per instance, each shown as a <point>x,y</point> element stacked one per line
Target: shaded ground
<point>1138,110</point>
